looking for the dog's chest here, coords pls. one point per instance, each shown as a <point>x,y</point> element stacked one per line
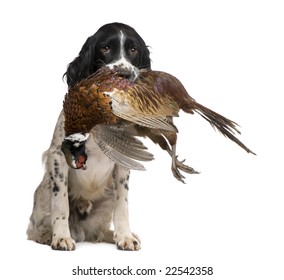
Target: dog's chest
<point>91,183</point>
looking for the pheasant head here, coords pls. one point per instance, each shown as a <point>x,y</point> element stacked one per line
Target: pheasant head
<point>74,148</point>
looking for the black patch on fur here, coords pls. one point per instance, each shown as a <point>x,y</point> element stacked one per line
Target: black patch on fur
<point>56,168</point>
<point>56,171</point>
<point>55,187</point>
<point>50,176</point>
<point>82,216</point>
<point>126,186</point>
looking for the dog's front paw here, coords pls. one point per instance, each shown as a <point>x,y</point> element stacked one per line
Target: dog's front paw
<point>130,242</point>
<point>63,243</point>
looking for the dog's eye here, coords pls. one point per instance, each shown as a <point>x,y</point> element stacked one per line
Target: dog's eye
<point>132,51</point>
<point>105,49</point>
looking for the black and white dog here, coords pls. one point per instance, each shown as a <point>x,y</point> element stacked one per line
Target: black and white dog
<point>78,205</point>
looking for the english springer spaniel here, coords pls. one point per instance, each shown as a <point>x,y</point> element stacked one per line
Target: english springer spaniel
<point>78,205</point>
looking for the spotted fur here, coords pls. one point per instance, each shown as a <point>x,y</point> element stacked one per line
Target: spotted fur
<point>78,205</point>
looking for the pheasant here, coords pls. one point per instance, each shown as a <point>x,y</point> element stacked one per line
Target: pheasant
<point>115,110</point>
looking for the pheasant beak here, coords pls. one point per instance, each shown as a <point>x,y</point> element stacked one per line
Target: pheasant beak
<point>73,147</point>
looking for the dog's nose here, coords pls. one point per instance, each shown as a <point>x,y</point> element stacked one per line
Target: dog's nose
<point>130,74</point>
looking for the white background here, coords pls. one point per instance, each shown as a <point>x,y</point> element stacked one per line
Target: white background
<point>230,57</point>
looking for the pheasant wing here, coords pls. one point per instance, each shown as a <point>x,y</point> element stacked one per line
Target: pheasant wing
<point>140,105</point>
<point>119,144</point>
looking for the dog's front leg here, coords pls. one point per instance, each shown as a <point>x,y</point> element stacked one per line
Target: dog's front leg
<point>58,179</point>
<point>123,237</point>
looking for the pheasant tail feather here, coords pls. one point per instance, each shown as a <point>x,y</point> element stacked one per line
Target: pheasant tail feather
<point>226,126</point>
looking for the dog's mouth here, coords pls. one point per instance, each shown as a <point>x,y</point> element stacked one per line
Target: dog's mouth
<point>130,73</point>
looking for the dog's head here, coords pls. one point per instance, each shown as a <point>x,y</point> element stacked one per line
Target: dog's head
<point>115,45</point>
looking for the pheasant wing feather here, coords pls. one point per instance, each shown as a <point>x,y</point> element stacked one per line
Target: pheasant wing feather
<point>130,106</point>
<point>121,147</point>
<point>117,143</point>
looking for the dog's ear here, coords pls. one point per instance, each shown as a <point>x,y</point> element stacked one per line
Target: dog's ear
<point>145,62</point>
<point>83,65</point>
